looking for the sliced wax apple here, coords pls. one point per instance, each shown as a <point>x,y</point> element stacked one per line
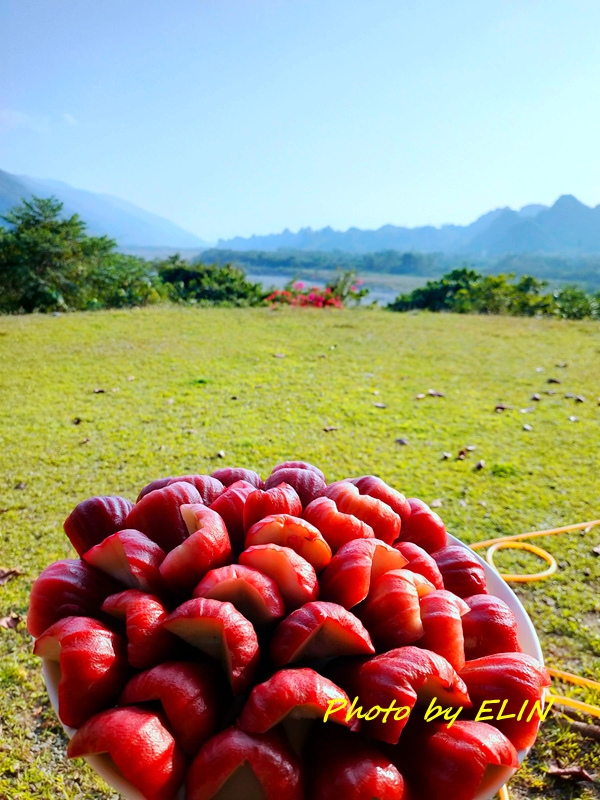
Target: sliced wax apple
<point>461,570</point>
<point>131,558</point>
<point>441,613</point>
<point>338,529</point>
<point>516,678</point>
<point>190,695</point>
<point>207,547</point>
<point>298,465</point>
<point>93,666</point>
<point>319,630</point>
<point>423,527</point>
<point>64,589</point>
<point>148,643</point>
<point>449,761</point>
<point>218,628</point>
<point>209,488</point>
<point>391,612</point>
<point>141,745</point>
<point>254,594</point>
<point>420,561</point>
<point>375,487</point>
<point>230,475</point>
<point>91,521</point>
<point>158,516</point>
<point>157,483</point>
<point>281,499</point>
<point>489,627</point>
<point>288,531</point>
<point>230,506</point>
<point>221,768</point>
<point>295,577</point>
<point>295,693</point>
<point>375,513</point>
<point>348,577</point>
<point>307,483</point>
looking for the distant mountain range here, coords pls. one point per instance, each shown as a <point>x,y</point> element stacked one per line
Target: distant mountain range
<point>105,215</point>
<point>566,228</point>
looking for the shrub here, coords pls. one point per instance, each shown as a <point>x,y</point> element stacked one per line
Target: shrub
<point>208,284</point>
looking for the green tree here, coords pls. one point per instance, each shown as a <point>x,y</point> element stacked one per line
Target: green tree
<point>208,284</point>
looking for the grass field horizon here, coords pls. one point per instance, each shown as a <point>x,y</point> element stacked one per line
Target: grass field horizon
<point>181,384</point>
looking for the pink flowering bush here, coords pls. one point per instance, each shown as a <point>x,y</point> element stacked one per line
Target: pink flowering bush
<point>343,288</point>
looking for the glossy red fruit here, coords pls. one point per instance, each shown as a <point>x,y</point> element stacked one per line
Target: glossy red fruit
<point>348,577</point>
<point>288,531</point>
<point>489,627</point>
<point>230,506</point>
<point>461,570</point>
<point>158,516</point>
<point>157,483</point>
<point>512,677</point>
<point>296,693</point>
<point>375,513</point>
<point>141,745</point>
<point>221,631</point>
<point>207,547</point>
<point>131,558</point>
<point>420,561</point>
<point>423,527</point>
<point>375,487</point>
<point>319,630</point>
<point>338,529</point>
<point>308,484</point>
<point>190,695</point>
<point>299,465</point>
<point>441,616</point>
<point>254,594</point>
<point>209,488</point>
<point>230,475</point>
<point>224,761</point>
<point>93,666</point>
<point>64,589</point>
<point>295,577</point>
<point>93,520</point>
<point>148,644</point>
<point>281,499</point>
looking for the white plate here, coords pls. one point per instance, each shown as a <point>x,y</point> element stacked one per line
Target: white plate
<point>494,778</point>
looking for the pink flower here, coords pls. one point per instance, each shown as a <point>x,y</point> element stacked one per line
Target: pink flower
<point>354,288</point>
<point>298,285</point>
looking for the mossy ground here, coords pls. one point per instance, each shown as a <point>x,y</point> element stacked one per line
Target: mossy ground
<point>207,380</point>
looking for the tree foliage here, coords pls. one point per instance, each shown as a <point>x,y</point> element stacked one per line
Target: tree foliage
<point>208,284</point>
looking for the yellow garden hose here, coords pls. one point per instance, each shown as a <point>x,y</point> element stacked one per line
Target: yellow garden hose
<point>515,542</point>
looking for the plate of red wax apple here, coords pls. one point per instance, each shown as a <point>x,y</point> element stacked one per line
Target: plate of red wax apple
<point>229,637</point>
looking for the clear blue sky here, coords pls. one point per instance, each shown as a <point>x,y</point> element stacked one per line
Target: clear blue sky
<point>249,116</point>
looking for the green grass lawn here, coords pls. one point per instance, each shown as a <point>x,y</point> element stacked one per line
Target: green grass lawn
<point>180,385</point>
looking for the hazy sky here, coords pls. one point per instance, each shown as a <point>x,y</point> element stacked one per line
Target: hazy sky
<point>249,116</point>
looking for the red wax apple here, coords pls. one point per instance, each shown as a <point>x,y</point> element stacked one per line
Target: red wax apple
<point>293,532</point>
<point>224,761</point>
<point>220,630</point>
<point>131,558</point>
<point>319,630</point>
<point>489,627</point>
<point>461,570</point>
<point>64,589</point>
<point>338,529</point>
<point>441,613</point>
<point>375,487</point>
<point>190,695</point>
<point>148,644</point>
<point>295,577</point>
<point>230,506</point>
<point>515,678</point>
<point>307,483</point>
<point>93,666</point>
<point>209,488</point>
<point>296,693</point>
<point>230,475</point>
<point>420,561</point>
<point>348,577</point>
<point>207,547</point>
<point>157,483</point>
<point>281,499</point>
<point>254,594</point>
<point>299,465</point>
<point>375,513</point>
<point>423,527</point>
<point>158,516</point>
<point>93,520</point>
<point>141,745</point>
